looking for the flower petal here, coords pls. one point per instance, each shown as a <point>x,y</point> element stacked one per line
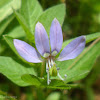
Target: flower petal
<point>41,39</point>
<point>56,37</point>
<point>26,51</point>
<point>73,49</point>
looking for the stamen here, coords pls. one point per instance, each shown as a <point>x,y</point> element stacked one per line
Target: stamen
<point>47,68</point>
<point>63,79</point>
<point>60,77</point>
<point>52,69</point>
<point>48,81</point>
<point>52,62</point>
<point>49,63</point>
<point>47,71</point>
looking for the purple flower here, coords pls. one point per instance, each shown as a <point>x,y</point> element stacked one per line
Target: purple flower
<point>30,54</point>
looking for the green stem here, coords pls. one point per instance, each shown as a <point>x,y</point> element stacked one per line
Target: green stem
<point>42,69</point>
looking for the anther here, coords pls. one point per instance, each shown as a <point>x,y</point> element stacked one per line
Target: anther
<point>49,81</point>
<point>47,69</point>
<point>58,68</point>
<point>60,77</point>
<point>65,75</point>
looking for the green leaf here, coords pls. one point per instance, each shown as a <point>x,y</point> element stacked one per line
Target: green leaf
<point>9,40</point>
<point>17,32</point>
<point>13,70</point>
<point>31,79</point>
<point>6,7</point>
<point>33,11</point>
<point>78,68</point>
<point>92,37</point>
<point>54,12</point>
<point>4,2</point>
<point>5,23</point>
<point>54,96</point>
<point>89,38</point>
<point>24,26</point>
<point>27,17</point>
<point>2,46</point>
<point>94,75</point>
<point>40,82</point>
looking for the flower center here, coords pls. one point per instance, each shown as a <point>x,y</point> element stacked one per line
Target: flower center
<point>52,69</point>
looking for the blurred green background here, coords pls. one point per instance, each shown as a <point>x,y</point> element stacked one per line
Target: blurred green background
<point>82,18</point>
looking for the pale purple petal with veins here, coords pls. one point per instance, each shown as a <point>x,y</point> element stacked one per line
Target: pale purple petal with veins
<point>73,49</point>
<point>56,37</point>
<point>27,51</point>
<point>41,39</point>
